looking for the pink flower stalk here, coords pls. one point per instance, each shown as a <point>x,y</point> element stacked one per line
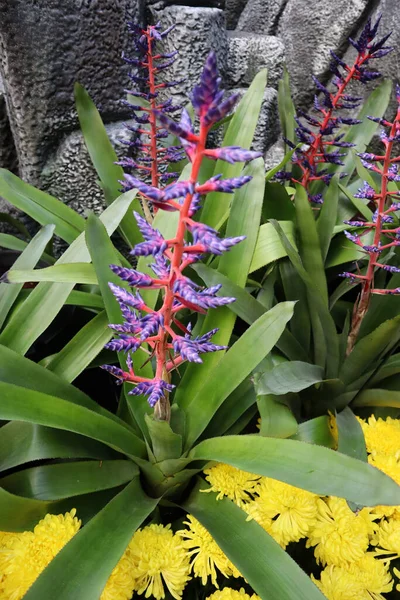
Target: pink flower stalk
<point>318,136</point>
<point>386,202</point>
<point>169,340</point>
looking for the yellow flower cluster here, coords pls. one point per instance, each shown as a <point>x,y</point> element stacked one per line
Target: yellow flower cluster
<point>154,558</point>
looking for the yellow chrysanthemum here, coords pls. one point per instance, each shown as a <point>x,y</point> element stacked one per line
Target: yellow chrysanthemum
<point>157,557</point>
<point>229,594</point>
<point>390,466</point>
<point>121,583</point>
<point>339,535</point>
<point>207,556</point>
<point>286,512</point>
<point>387,538</point>
<point>26,556</point>
<point>397,573</point>
<point>231,482</point>
<point>382,436</point>
<point>366,579</point>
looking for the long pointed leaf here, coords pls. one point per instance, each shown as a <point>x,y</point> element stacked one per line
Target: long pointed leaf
<point>28,259</point>
<point>247,545</point>
<point>47,299</point>
<point>314,468</point>
<point>233,368</point>
<point>21,404</point>
<point>83,564</point>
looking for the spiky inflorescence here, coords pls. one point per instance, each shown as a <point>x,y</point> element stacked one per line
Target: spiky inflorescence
<point>321,144</point>
<point>386,202</point>
<point>157,328</point>
<point>151,157</point>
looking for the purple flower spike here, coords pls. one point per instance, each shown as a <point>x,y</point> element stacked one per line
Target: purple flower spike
<point>125,297</point>
<point>208,237</point>
<point>205,299</point>
<point>154,389</point>
<point>134,278</point>
<point>147,190</point>
<point>124,344</point>
<point>205,93</point>
<point>154,242</point>
<point>215,184</point>
<point>366,191</point>
<point>116,371</point>
<point>150,324</point>
<point>191,349</point>
<point>232,154</point>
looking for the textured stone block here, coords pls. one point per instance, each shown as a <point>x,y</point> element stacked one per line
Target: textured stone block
<point>309,32</point>
<point>261,16</point>
<point>197,31</point>
<point>8,157</point>
<point>248,54</point>
<point>46,46</point>
<point>233,10</point>
<point>70,176</point>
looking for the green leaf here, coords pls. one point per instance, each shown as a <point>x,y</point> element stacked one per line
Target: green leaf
<point>54,482</point>
<point>277,419</point>
<point>83,564</point>
<point>69,273</point>
<point>358,203</point>
<point>292,376</point>
<point>277,203</point>
<point>37,378</point>
<point>104,160</point>
<point>377,397</point>
<point>229,413</point>
<point>369,350</point>
<point>22,404</point>
<point>18,225</point>
<point>233,368</point>
<point>351,438</point>
<point>247,544</point>
<point>309,247</point>
<point>286,107</point>
<point>165,443</point>
<point>295,289</point>
<point>79,352</point>
<point>327,217</point>
<point>269,246</point>
<point>316,431</point>
<point>314,468</point>
<point>244,219</point>
<point>328,330</point>
<point>22,514</point>
<point>47,299</point>
<point>42,207</point>
<point>29,257</point>
<point>26,442</point>
<point>11,242</point>
<point>240,133</point>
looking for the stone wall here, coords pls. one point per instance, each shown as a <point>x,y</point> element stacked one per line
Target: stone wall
<point>47,45</point>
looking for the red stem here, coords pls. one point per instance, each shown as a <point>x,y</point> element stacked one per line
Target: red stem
<point>162,408</point>
<point>362,304</point>
<point>318,143</point>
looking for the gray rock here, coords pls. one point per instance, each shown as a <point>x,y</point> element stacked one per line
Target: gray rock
<point>274,155</point>
<point>46,46</point>
<point>70,176</point>
<point>8,157</point>
<point>261,16</point>
<point>249,53</point>
<point>197,31</point>
<point>309,32</point>
<point>233,10</point>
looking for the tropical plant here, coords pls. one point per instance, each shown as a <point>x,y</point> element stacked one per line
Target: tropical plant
<point>142,464</point>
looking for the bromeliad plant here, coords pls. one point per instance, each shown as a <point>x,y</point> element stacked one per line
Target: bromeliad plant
<point>141,467</point>
<point>336,354</point>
